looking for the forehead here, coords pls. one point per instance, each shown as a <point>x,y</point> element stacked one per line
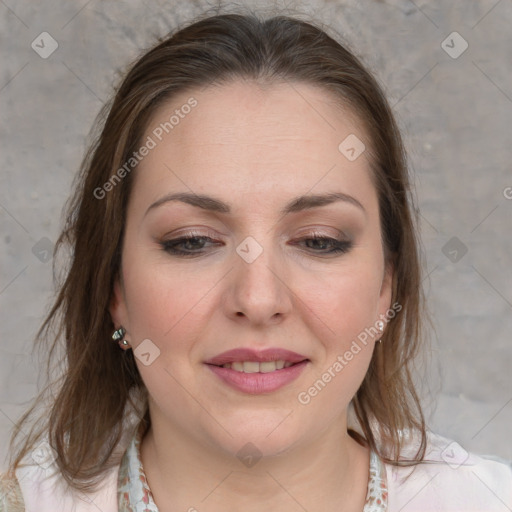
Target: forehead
<point>251,138</point>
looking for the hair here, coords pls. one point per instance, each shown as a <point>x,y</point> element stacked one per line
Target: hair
<point>87,409</point>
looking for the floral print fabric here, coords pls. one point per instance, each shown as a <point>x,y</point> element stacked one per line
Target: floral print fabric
<point>377,496</point>
<point>133,492</point>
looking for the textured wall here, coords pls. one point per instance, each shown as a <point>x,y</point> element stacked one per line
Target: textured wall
<point>453,103</point>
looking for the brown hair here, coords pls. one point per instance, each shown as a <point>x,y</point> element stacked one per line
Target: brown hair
<point>85,423</point>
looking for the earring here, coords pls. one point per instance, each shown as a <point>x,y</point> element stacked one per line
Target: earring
<point>380,327</point>
<point>118,336</point>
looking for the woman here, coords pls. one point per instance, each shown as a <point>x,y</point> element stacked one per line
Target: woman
<point>243,305</point>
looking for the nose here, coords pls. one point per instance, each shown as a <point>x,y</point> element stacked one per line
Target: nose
<point>259,291</point>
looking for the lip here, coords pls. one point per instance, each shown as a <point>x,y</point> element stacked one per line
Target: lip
<point>257,383</point>
<point>247,354</point>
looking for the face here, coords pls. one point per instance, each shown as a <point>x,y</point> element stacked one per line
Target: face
<point>240,262</point>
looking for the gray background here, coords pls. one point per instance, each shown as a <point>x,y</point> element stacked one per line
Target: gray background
<point>455,114</point>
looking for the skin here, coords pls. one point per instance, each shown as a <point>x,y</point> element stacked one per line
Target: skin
<point>254,148</point>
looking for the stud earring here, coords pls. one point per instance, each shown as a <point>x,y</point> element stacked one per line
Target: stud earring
<point>380,327</point>
<point>118,336</point>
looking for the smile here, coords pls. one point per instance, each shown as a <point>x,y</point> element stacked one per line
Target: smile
<point>258,367</point>
<point>257,371</point>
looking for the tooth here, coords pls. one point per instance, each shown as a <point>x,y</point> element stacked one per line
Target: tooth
<point>257,367</point>
<point>251,366</point>
<point>268,366</point>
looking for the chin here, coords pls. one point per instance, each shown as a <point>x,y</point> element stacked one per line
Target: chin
<point>267,434</point>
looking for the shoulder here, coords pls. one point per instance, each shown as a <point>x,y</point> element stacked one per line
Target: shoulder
<point>42,488</point>
<point>39,486</point>
<point>11,499</point>
<point>449,479</point>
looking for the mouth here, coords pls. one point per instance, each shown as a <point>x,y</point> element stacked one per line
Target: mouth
<point>255,372</point>
<point>258,367</point>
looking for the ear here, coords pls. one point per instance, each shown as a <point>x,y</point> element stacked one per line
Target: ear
<point>117,307</point>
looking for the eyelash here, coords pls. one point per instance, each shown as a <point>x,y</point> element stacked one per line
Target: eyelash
<point>169,246</point>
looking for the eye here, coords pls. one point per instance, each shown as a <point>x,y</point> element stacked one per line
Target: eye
<point>188,246</point>
<point>326,245</point>
<point>192,245</point>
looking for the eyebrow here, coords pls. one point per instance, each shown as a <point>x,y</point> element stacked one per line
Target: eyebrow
<point>297,204</point>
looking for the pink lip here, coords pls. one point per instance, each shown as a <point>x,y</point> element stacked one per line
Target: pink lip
<point>247,354</point>
<point>256,383</point>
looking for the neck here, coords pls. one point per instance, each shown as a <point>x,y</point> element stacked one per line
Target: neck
<point>329,472</point>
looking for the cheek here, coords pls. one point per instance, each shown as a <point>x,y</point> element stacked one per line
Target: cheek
<point>342,309</point>
<point>165,307</point>
<point>345,301</point>
<point>162,301</point>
